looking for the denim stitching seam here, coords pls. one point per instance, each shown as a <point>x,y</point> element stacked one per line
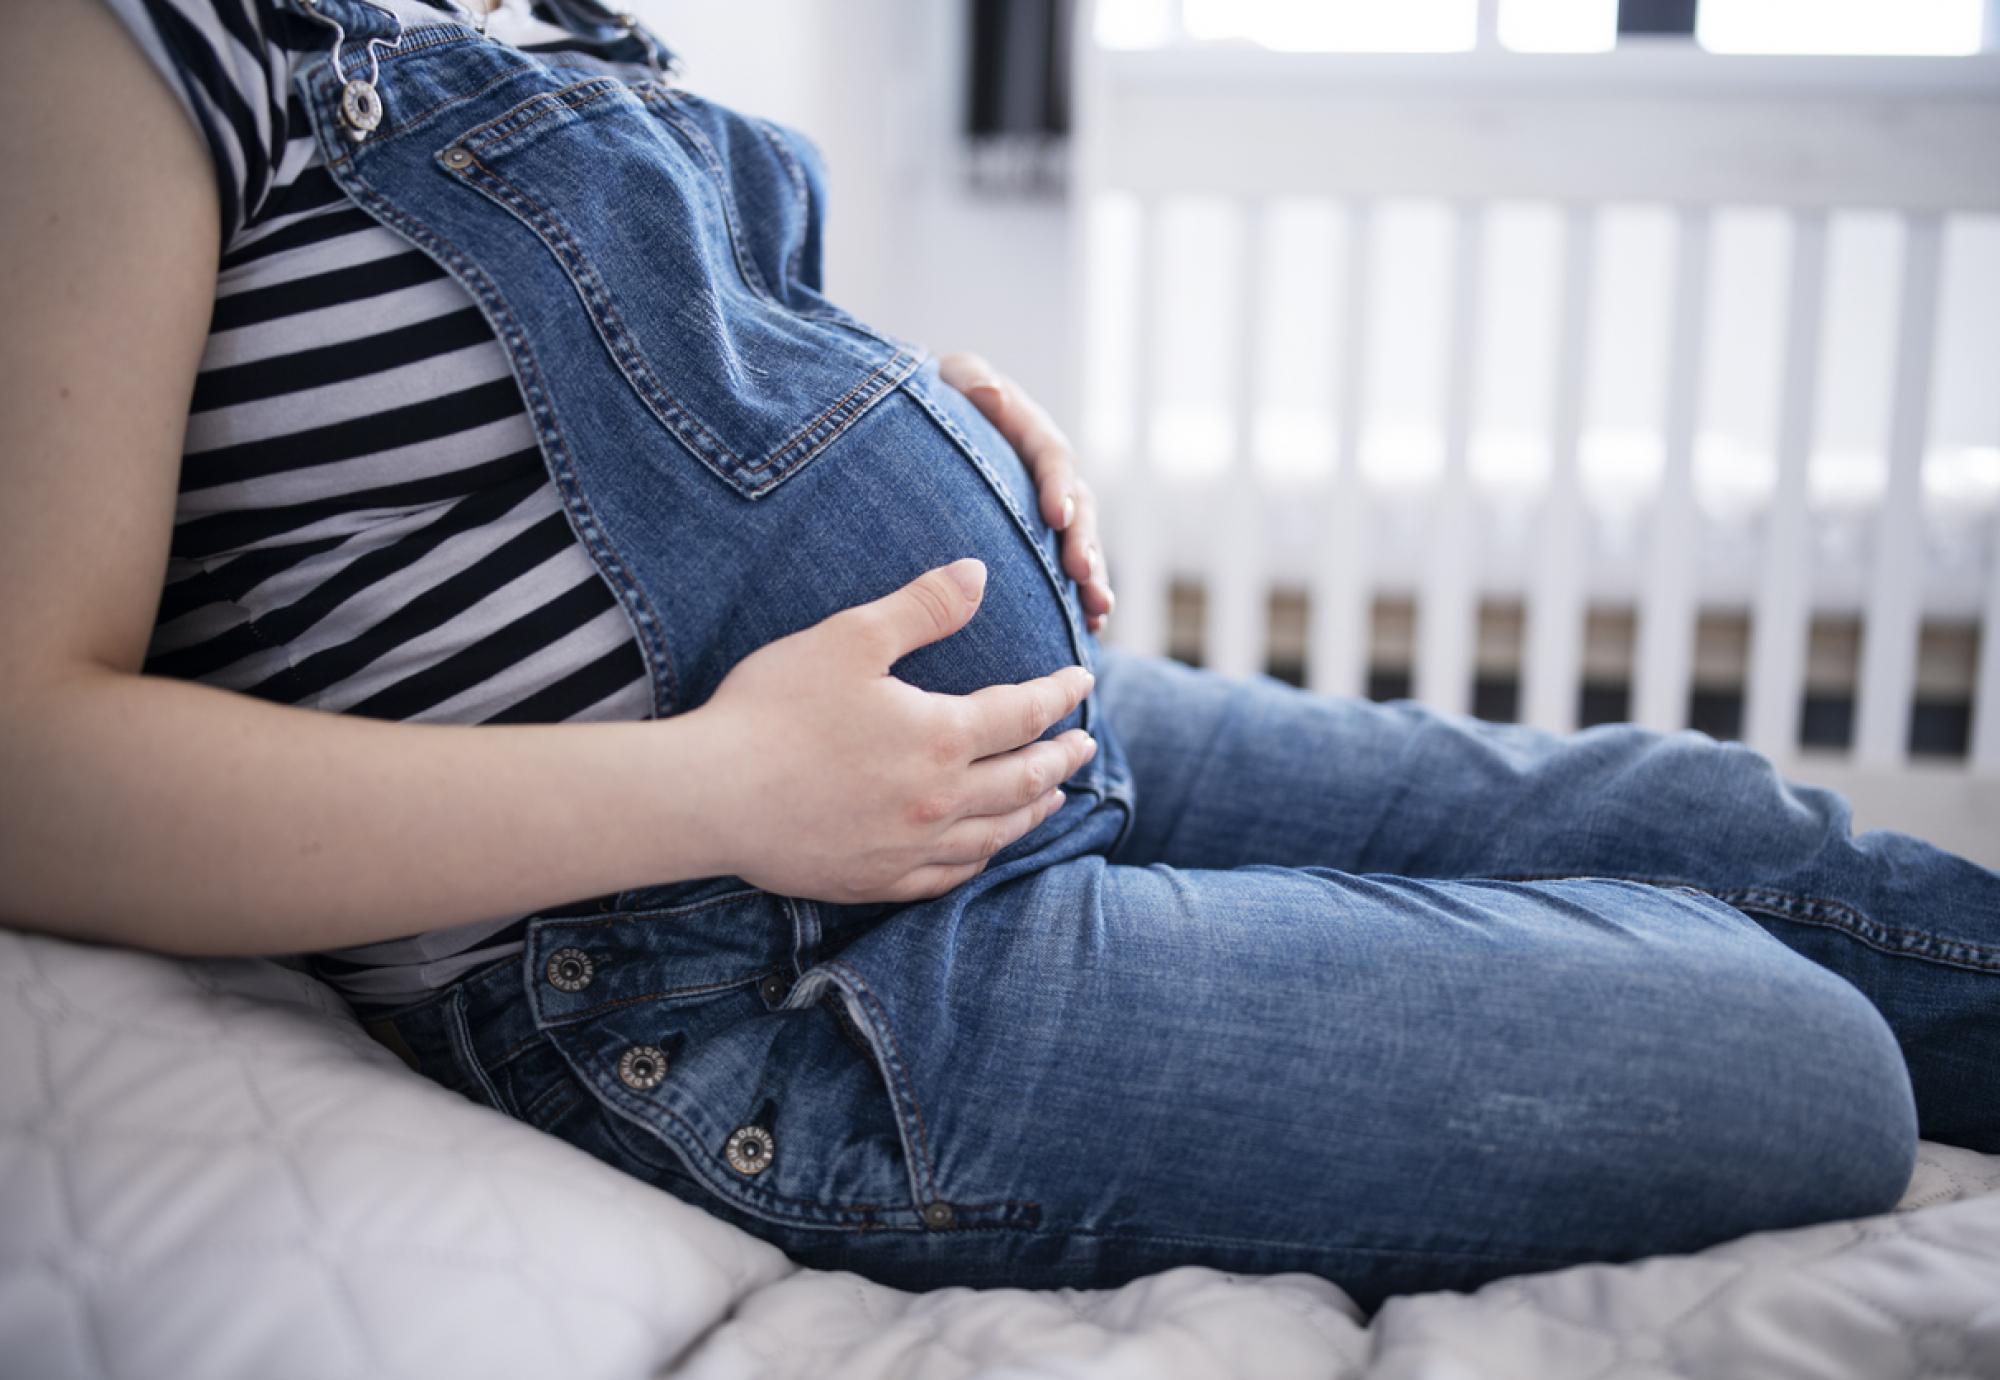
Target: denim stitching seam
<point>660,912</point>
<point>460,1035</point>
<point>406,128</point>
<point>802,447</point>
<point>760,1202</point>
<point>898,1067</point>
<point>711,163</point>
<point>603,313</point>
<point>701,990</point>
<point>1394,1252</point>
<point>509,124</point>
<point>1893,940</point>
<point>800,185</point>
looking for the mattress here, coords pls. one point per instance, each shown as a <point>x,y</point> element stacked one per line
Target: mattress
<point>208,1170</point>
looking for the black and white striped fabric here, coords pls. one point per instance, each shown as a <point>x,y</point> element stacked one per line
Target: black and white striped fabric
<point>364,524</point>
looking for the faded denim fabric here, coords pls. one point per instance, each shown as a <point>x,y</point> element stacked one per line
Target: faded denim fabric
<point>1401,999</point>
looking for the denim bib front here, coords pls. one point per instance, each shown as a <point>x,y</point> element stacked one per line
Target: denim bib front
<point>741,459</point>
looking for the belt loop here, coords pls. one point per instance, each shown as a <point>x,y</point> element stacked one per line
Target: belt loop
<point>460,1034</point>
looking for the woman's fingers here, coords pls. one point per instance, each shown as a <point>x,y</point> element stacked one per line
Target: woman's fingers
<point>1066,501</point>
<point>1083,559</point>
<point>1004,717</point>
<point>979,837</point>
<point>1026,774</point>
<point>928,609</point>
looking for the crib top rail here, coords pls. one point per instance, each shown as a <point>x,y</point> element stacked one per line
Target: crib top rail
<point>1672,124</point>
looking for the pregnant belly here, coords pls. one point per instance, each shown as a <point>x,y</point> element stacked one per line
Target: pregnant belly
<point>919,481</point>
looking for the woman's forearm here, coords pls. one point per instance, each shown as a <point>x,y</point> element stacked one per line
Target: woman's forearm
<point>189,819</point>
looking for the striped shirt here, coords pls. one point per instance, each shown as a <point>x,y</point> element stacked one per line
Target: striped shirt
<point>364,523</point>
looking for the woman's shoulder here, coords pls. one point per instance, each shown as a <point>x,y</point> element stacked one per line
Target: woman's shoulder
<point>229,64</point>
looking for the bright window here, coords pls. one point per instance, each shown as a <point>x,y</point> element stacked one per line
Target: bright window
<point>1558,26</point>
<point>1407,26</point>
<point>1903,27</point>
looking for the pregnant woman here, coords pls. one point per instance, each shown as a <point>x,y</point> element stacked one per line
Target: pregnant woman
<point>664,705</point>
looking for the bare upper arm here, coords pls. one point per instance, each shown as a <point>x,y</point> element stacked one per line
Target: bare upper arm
<point>109,231</point>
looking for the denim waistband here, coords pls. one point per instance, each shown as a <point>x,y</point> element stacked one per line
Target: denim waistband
<point>591,956</point>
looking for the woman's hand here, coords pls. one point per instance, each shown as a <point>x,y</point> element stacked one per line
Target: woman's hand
<point>1068,505</point>
<point>839,782</point>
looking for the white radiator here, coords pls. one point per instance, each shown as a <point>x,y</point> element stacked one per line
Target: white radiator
<point>1338,161</point>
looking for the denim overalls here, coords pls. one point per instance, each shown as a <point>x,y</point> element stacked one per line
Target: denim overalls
<point>1288,984</point>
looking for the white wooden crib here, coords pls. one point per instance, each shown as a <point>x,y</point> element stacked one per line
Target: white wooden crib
<point>1247,567</point>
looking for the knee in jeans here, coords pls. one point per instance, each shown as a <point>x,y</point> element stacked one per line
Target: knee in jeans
<point>1828,1127</point>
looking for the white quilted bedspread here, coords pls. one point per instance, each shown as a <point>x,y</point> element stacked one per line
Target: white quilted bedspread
<point>207,1170</point>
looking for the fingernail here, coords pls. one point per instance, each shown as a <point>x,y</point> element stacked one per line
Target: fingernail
<point>984,383</point>
<point>970,576</point>
<point>1096,561</point>
<point>1110,600</point>
<point>1088,678</point>
<point>1068,512</point>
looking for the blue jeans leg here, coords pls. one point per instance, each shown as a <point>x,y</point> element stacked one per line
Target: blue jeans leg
<point>1399,1084</point>
<point>1232,773</point>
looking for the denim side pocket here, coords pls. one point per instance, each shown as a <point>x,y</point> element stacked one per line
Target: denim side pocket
<point>684,1027</point>
<point>773,1112</point>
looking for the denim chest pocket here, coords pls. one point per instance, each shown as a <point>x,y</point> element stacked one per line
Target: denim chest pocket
<point>690,236</point>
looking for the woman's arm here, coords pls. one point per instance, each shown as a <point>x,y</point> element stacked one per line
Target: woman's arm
<point>190,819</point>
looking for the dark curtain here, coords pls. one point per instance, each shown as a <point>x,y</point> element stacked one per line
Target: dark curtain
<point>1656,16</point>
<point>1019,77</point>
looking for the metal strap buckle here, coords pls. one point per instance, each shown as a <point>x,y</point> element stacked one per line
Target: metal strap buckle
<point>360,102</point>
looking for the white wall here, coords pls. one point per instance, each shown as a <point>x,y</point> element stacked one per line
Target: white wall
<point>878,85</point>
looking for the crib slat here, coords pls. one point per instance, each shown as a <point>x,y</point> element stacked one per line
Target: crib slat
<point>1237,632</point>
<point>1342,592</point>
<point>1986,690</point>
<point>1551,674</point>
<point>1487,36</point>
<point>1889,629</point>
<point>1140,510</point>
<point>1448,602</point>
<point>1780,620</point>
<point>1664,675</point>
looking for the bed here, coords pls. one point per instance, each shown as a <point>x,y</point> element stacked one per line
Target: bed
<point>208,1170</point>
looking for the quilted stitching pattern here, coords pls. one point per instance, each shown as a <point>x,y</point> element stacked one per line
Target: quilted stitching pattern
<point>206,1169</point>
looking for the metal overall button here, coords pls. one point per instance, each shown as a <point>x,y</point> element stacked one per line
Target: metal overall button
<point>360,109</point>
<point>774,987</point>
<point>457,157</point>
<point>938,1216</point>
<point>750,1150</point>
<point>360,103</point>
<point>570,970</point>
<point>643,1067</point>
